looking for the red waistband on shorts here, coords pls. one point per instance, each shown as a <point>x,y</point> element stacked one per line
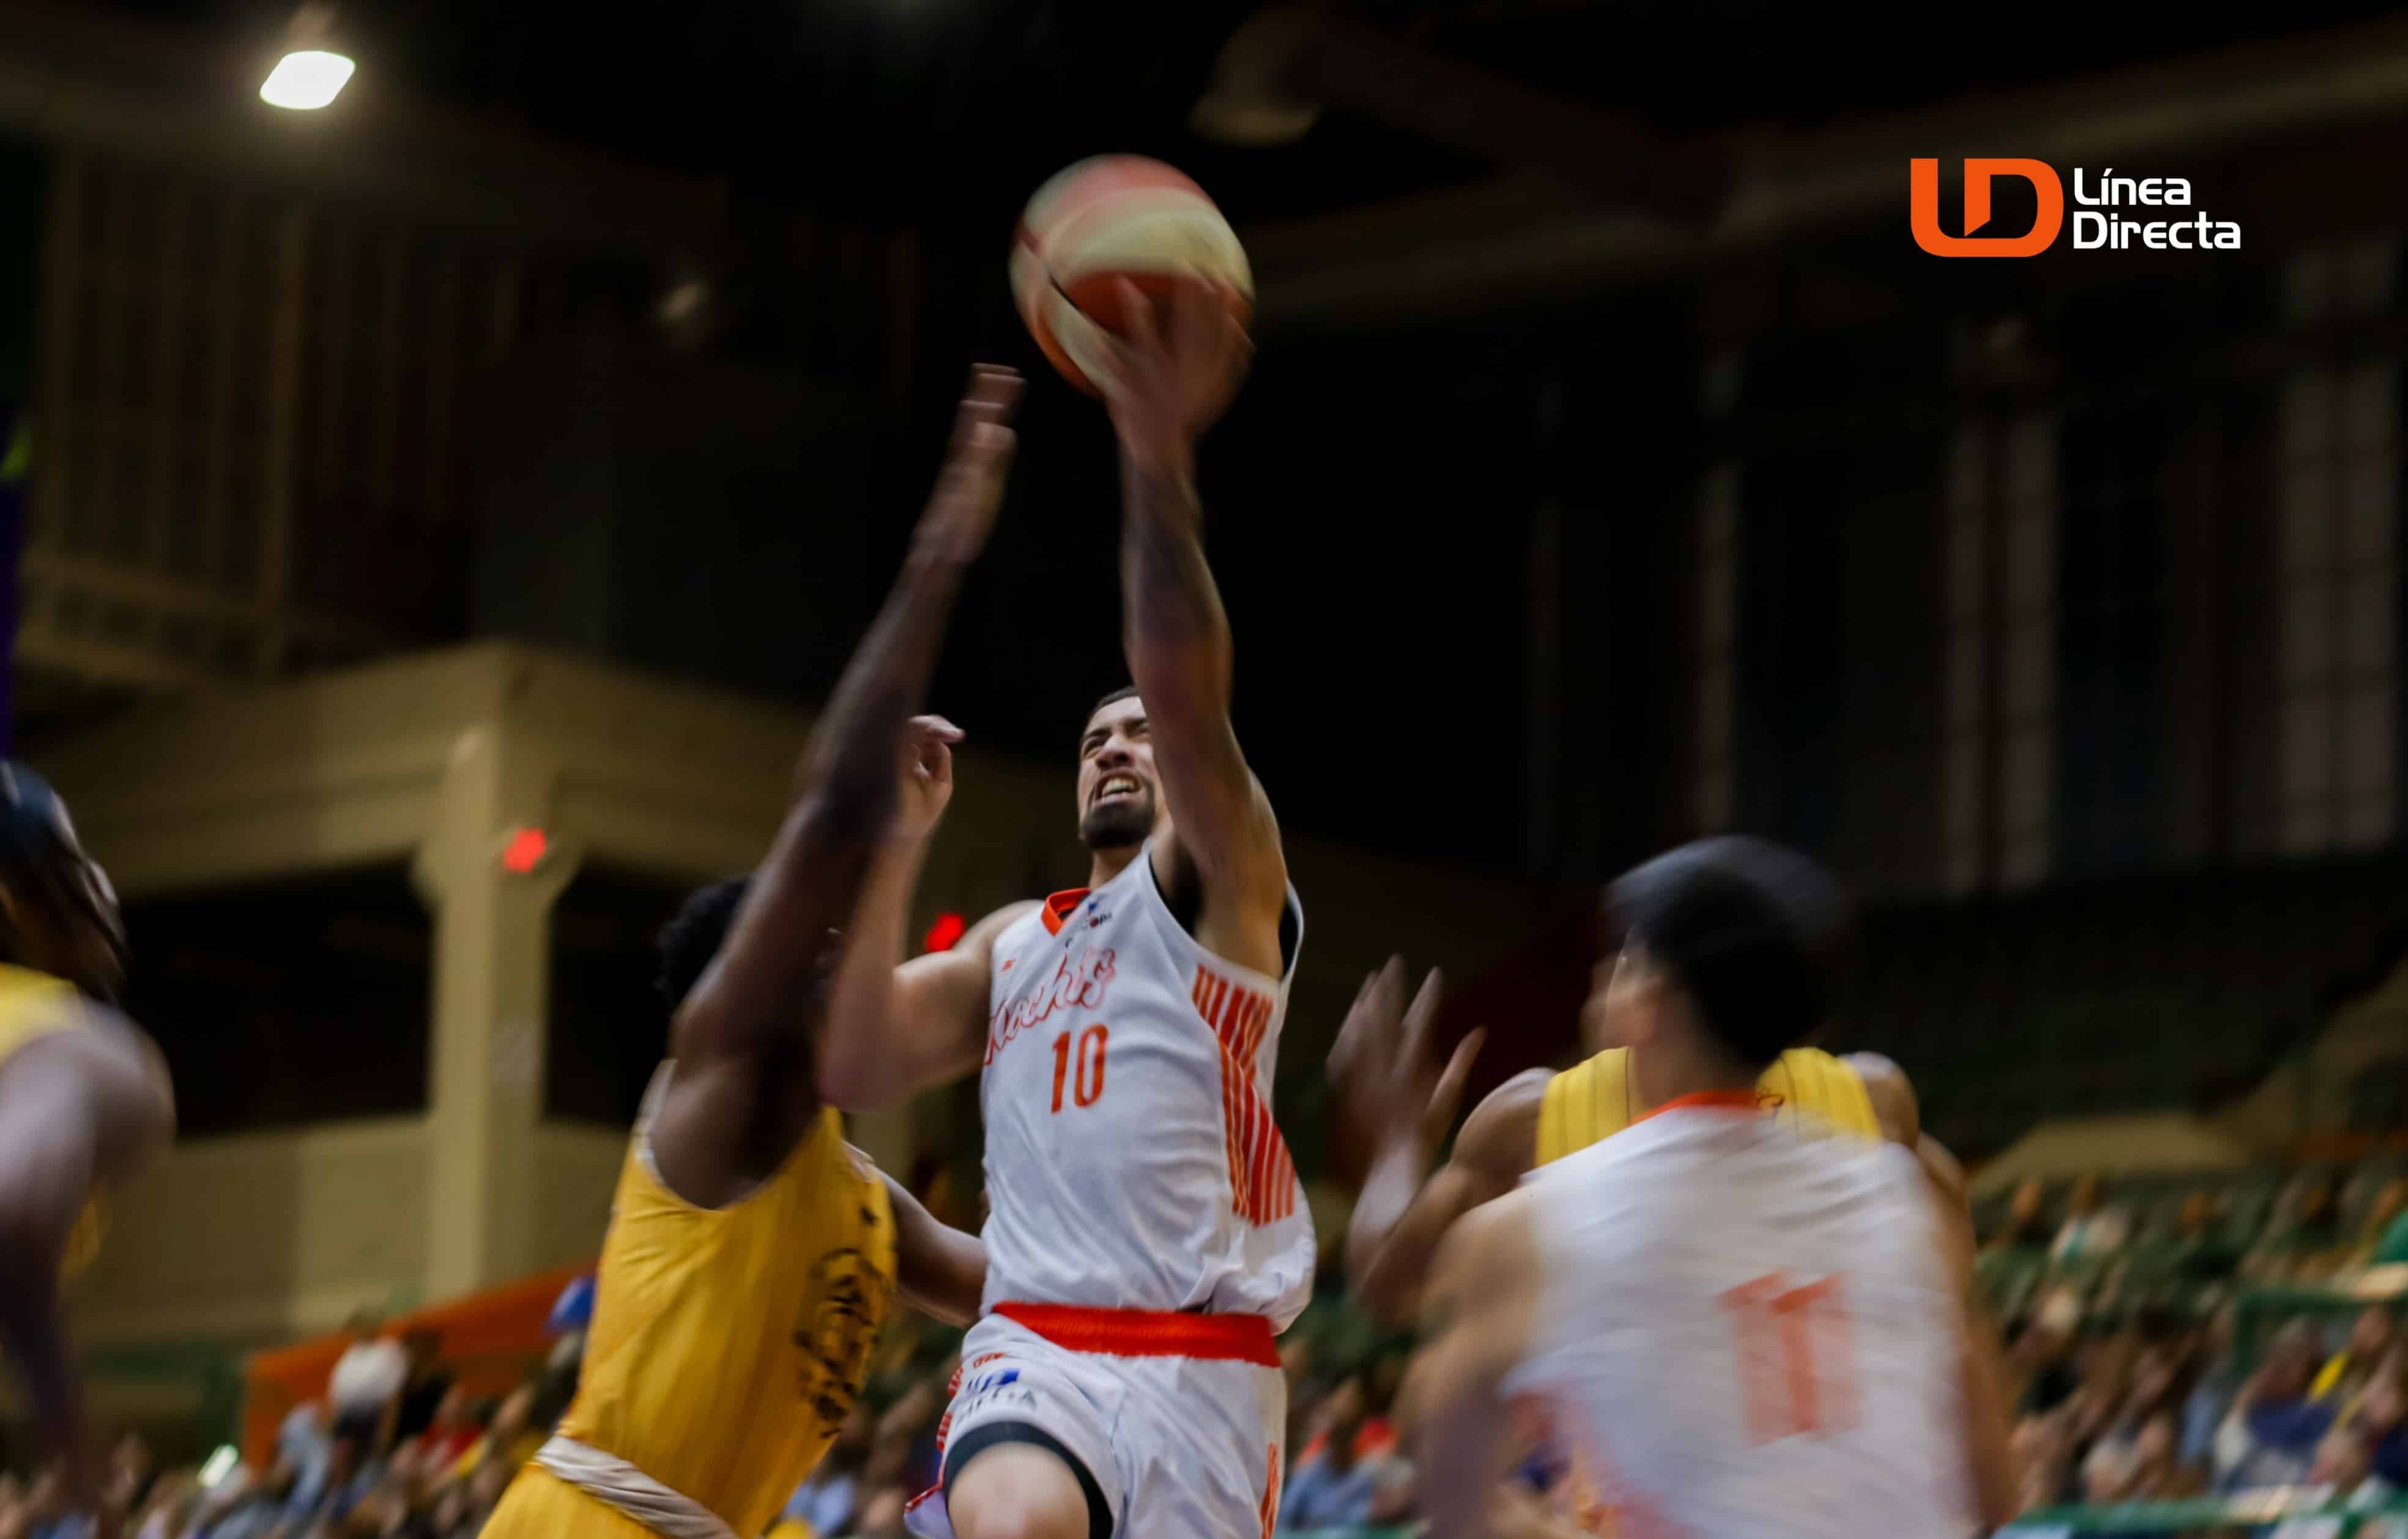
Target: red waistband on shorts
<point>1147,1333</point>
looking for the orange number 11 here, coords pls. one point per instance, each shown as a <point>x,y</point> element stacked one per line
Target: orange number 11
<point>1796,1365</point>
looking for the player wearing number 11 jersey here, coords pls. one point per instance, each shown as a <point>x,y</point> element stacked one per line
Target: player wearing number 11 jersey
<point>1148,1235</point>
<point>1735,1332</point>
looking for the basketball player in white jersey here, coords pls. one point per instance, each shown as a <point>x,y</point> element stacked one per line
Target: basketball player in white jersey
<point>1148,1234</point>
<point>1739,1331</point>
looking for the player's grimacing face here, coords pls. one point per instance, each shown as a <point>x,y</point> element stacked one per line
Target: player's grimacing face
<point>1119,798</point>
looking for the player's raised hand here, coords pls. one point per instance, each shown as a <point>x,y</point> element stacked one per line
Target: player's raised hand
<point>926,774</point>
<point>1179,363</point>
<point>1389,1087</point>
<point>960,512</point>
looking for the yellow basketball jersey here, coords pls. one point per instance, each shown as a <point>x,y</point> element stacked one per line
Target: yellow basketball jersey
<point>727,1345</point>
<point>33,1005</point>
<point>1595,1099</point>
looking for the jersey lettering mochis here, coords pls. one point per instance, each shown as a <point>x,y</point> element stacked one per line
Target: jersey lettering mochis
<point>1132,1162</point>
<point>1079,982</point>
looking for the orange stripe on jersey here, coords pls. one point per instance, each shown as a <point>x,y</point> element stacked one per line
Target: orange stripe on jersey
<point>1262,1176</point>
<point>1150,1333</point>
<point>1707,1101</point>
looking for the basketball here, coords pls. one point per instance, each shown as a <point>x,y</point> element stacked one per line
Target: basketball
<point>1111,218</point>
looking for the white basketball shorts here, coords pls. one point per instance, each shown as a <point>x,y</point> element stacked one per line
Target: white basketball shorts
<point>1178,1419</point>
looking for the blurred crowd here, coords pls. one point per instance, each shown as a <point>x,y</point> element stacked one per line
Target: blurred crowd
<point>2122,1312</point>
<point>2119,1305</point>
<point>397,1449</point>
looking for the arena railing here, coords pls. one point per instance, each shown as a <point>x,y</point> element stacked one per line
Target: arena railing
<point>2325,1518</point>
<point>2320,1516</point>
<point>2262,1308</point>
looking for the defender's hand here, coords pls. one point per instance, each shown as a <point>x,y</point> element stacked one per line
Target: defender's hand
<point>926,775</point>
<point>1388,1089</point>
<point>960,512</point>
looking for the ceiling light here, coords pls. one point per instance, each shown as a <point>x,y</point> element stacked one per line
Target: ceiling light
<point>306,79</point>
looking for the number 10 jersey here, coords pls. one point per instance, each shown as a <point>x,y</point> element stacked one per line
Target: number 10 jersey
<point>1131,1158</point>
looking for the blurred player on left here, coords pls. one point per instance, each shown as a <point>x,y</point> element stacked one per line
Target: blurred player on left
<point>752,1254</point>
<point>84,1097</point>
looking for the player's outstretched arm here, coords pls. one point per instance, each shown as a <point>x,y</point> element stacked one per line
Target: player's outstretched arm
<point>78,1110</point>
<point>1399,1220</point>
<point>753,1011</point>
<point>1475,1329</point>
<point>941,1271</point>
<point>1395,1106</point>
<point>912,1026</point>
<point>1176,377</point>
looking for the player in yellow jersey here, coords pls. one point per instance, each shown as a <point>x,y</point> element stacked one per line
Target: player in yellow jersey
<point>753,1255</point>
<point>84,1096</point>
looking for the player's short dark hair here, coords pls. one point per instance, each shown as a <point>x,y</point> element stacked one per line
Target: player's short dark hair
<point>1126,691</point>
<point>1755,934</point>
<point>693,935</point>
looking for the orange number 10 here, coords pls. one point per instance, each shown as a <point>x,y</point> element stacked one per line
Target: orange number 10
<point>1084,1088</point>
<point>1796,1363</point>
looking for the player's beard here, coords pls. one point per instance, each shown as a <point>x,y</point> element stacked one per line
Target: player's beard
<point>1117,825</point>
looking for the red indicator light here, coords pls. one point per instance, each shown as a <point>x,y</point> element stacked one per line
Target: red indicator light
<point>524,851</point>
<point>945,933</point>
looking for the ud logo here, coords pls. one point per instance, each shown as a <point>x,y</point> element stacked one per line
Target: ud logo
<point>837,1337</point>
<point>1923,206</point>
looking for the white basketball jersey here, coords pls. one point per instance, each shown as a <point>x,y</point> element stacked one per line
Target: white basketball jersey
<point>1742,1334</point>
<point>1131,1159</point>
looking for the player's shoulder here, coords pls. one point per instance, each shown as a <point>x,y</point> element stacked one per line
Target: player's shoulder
<point>1869,1179</point>
<point>62,1023</point>
<point>982,936</point>
<point>1494,1242</point>
<point>1639,1187</point>
<point>1500,1137</point>
<point>98,1052</point>
<point>1892,1094</point>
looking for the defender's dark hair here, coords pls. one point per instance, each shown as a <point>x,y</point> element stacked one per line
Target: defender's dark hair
<point>693,937</point>
<point>1756,935</point>
<point>42,861</point>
